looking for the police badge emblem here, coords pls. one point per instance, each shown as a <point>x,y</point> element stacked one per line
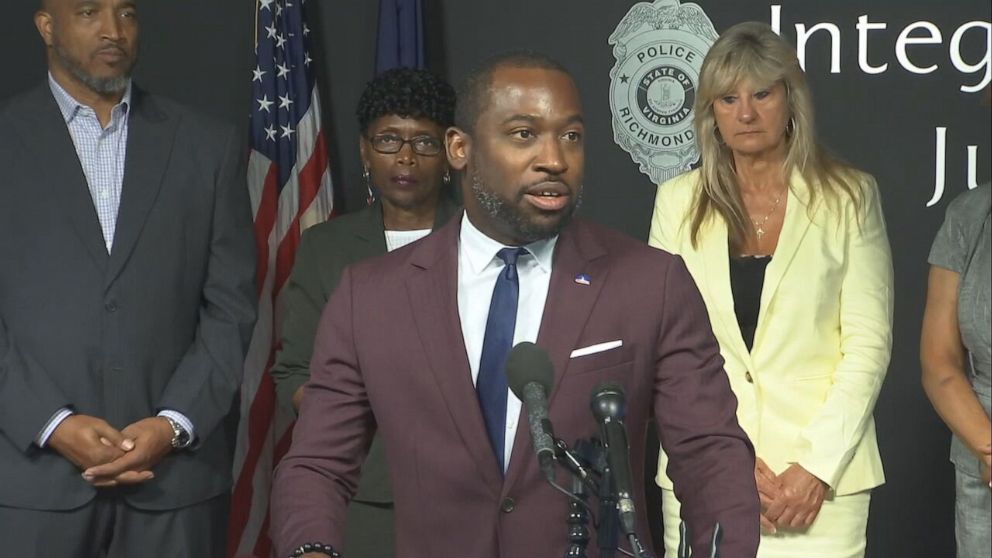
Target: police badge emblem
<point>659,49</point>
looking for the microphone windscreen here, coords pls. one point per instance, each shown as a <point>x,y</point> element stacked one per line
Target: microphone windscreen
<point>608,401</point>
<point>608,387</point>
<point>528,363</point>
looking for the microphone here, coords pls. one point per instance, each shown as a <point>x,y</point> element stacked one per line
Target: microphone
<point>609,407</point>
<point>529,374</point>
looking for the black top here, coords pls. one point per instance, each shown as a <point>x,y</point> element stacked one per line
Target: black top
<point>747,275</point>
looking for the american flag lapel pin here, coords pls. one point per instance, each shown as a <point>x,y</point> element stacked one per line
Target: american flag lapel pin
<point>583,279</point>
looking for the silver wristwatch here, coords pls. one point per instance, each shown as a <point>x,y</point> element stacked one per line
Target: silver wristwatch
<point>180,438</point>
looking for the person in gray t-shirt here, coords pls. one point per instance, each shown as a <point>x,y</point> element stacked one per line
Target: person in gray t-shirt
<point>956,331</point>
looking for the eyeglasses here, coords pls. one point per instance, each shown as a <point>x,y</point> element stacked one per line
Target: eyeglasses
<point>422,145</point>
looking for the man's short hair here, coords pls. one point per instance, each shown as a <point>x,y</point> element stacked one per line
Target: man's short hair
<point>474,89</point>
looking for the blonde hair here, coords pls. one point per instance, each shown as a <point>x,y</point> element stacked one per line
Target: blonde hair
<point>751,51</point>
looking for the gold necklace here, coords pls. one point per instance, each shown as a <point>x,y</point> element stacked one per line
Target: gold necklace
<point>759,228</point>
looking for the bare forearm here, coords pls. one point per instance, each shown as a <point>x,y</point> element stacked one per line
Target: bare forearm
<point>944,358</point>
<point>955,401</point>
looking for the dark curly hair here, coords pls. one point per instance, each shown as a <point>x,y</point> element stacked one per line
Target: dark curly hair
<point>408,93</point>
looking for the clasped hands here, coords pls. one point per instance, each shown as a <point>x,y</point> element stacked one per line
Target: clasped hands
<point>791,499</point>
<point>108,456</point>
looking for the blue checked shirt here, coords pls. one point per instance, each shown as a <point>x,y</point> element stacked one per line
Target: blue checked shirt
<point>102,152</point>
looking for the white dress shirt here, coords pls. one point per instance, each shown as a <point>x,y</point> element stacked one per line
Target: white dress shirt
<point>478,268</point>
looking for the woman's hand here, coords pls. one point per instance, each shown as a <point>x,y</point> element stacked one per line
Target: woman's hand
<point>769,489</point>
<point>801,497</point>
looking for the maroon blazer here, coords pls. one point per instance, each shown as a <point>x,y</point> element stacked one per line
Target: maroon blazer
<point>389,354</point>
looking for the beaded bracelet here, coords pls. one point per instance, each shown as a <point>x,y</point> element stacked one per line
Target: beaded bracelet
<point>315,547</point>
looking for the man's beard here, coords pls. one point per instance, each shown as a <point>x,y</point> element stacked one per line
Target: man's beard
<point>104,86</point>
<point>514,220</point>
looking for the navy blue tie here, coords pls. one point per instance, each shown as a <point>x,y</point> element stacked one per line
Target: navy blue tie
<point>491,383</point>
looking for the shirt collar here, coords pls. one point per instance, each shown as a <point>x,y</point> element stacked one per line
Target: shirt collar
<point>480,250</point>
<point>69,106</point>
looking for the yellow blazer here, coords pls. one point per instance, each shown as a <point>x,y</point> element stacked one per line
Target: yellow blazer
<point>807,389</point>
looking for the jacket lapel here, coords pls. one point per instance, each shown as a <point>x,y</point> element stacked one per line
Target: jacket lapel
<point>433,292</point>
<point>715,253</point>
<point>369,230</point>
<point>44,132</point>
<point>566,311</point>
<point>794,228</point>
<point>149,146</point>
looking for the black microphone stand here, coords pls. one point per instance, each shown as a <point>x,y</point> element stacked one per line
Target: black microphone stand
<point>578,517</point>
<point>593,452</point>
<point>607,532</point>
<point>590,470</point>
<point>589,466</point>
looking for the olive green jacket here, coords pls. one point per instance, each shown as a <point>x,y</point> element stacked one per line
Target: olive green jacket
<point>325,251</point>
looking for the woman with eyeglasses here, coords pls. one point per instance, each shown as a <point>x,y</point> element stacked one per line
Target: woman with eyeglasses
<point>402,115</point>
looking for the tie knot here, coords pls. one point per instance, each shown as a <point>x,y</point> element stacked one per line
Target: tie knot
<point>510,255</point>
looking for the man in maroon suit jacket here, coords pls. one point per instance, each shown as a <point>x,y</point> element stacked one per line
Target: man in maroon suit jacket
<point>397,352</point>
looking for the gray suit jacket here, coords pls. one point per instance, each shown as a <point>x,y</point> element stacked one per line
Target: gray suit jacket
<point>325,251</point>
<point>161,322</point>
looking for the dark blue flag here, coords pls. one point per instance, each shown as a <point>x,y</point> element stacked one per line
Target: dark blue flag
<point>401,35</point>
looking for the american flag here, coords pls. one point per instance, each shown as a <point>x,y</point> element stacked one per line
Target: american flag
<point>290,187</point>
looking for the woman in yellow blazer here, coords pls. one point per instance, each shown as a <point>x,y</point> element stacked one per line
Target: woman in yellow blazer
<point>789,250</point>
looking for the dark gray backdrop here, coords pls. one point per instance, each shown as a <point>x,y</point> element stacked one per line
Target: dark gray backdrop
<point>200,52</point>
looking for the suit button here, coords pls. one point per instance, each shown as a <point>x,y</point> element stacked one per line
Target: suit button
<point>111,306</point>
<point>507,505</point>
<point>747,376</point>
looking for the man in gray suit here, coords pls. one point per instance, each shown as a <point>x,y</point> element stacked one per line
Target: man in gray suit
<point>126,302</point>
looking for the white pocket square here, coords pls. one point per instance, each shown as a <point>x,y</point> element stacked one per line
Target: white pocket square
<point>597,348</point>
